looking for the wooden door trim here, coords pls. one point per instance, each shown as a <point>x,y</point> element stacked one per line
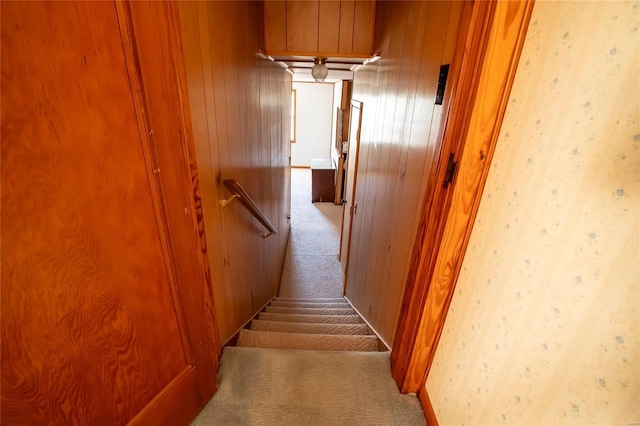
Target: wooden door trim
<point>172,170</point>
<point>353,104</point>
<point>489,46</point>
<point>427,408</point>
<point>162,410</point>
<point>144,129</point>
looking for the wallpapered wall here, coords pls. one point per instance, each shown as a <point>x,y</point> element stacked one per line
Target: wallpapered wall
<point>543,326</point>
<point>314,116</point>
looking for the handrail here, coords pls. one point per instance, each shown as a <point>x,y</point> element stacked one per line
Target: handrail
<point>238,192</point>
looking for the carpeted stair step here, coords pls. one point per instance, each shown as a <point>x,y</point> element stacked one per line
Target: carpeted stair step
<point>312,388</point>
<point>323,342</point>
<point>330,319</point>
<point>310,304</point>
<point>312,300</point>
<point>310,311</point>
<point>310,328</point>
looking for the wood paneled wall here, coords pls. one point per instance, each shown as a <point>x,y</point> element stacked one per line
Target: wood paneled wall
<point>400,143</point>
<point>240,115</point>
<point>319,27</point>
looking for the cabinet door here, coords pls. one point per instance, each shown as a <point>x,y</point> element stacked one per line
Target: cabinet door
<point>302,26</point>
<point>275,16</point>
<point>95,321</point>
<point>327,28</point>
<point>363,27</point>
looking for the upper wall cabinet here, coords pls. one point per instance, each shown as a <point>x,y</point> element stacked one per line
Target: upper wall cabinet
<point>319,27</point>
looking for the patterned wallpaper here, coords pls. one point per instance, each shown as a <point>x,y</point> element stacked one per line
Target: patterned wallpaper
<point>544,323</point>
<point>314,117</point>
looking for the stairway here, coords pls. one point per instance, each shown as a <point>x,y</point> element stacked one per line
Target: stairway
<point>328,324</point>
<point>308,358</point>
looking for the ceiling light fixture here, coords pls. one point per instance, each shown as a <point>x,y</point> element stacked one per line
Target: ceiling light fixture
<point>319,70</point>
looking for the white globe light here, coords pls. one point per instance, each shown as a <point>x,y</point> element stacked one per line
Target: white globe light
<point>319,71</point>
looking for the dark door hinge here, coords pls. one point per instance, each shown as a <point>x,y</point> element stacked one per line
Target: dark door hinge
<point>451,171</point>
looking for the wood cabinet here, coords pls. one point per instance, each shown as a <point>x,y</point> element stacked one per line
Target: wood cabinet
<point>323,175</point>
<point>319,28</point>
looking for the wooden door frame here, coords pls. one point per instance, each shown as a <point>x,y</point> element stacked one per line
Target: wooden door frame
<point>348,215</point>
<point>152,38</point>
<point>488,50</point>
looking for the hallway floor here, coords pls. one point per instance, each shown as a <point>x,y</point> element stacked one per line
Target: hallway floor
<point>312,268</point>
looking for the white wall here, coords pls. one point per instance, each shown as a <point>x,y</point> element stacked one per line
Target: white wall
<point>337,100</point>
<point>543,326</point>
<point>313,122</point>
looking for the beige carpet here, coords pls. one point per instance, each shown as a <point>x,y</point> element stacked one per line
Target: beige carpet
<point>309,325</point>
<point>309,358</point>
<point>311,267</point>
<point>290,387</point>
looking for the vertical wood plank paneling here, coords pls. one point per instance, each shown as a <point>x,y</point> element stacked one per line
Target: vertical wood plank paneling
<point>201,97</point>
<point>275,15</point>
<point>399,144</point>
<point>325,27</point>
<point>418,146</point>
<point>438,264</point>
<point>302,26</point>
<point>425,137</point>
<point>376,195</point>
<point>347,18</point>
<point>363,27</point>
<point>244,101</point>
<point>329,28</point>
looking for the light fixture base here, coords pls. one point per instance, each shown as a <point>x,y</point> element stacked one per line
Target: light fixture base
<point>319,71</point>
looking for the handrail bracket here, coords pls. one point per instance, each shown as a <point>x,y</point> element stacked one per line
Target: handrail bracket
<point>238,192</point>
<point>225,203</point>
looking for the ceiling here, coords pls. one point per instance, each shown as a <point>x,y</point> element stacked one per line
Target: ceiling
<point>300,66</point>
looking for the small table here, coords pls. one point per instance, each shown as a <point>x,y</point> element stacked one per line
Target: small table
<point>323,175</point>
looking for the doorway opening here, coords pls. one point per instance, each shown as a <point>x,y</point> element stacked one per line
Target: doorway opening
<point>312,266</point>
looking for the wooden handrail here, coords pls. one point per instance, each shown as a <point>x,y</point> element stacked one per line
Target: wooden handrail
<point>238,192</point>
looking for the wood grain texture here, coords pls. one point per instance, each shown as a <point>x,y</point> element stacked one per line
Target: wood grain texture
<point>163,92</point>
<point>400,144</point>
<point>364,18</point>
<point>275,24</point>
<point>425,401</point>
<point>428,235</point>
<point>327,28</point>
<point>302,25</point>
<point>240,113</point>
<point>90,333</point>
<point>347,21</point>
<point>493,46</point>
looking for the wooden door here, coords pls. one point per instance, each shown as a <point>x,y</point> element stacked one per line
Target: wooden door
<point>101,321</point>
<point>350,203</point>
